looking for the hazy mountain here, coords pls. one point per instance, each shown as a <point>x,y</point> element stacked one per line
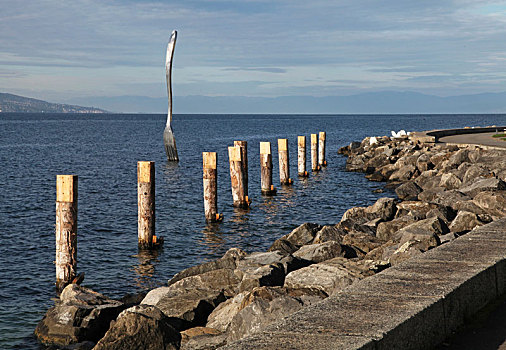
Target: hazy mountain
<point>15,103</point>
<point>387,102</point>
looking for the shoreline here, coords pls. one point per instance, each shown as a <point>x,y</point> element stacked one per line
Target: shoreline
<point>312,262</point>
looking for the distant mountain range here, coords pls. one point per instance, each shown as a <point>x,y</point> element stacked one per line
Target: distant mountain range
<point>386,102</point>
<point>15,103</point>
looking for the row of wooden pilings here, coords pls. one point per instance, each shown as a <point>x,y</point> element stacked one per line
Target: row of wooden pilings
<point>238,158</point>
<point>67,190</point>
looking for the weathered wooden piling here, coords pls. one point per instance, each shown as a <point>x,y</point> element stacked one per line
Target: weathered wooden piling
<point>321,148</point>
<point>301,156</point>
<point>314,153</point>
<point>210,179</point>
<point>244,153</point>
<point>266,169</point>
<point>66,230</point>
<point>146,204</point>
<point>236,177</point>
<point>284,162</point>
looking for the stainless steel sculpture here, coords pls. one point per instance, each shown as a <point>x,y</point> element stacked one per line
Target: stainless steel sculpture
<point>168,136</point>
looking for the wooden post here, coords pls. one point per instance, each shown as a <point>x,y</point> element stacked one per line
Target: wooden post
<point>266,169</point>
<point>210,179</point>
<point>244,154</point>
<point>236,177</point>
<point>314,153</point>
<point>66,230</point>
<point>146,204</point>
<point>301,156</point>
<point>321,149</point>
<point>284,162</point>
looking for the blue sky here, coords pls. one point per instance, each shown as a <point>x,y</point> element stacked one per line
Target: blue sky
<point>60,50</point>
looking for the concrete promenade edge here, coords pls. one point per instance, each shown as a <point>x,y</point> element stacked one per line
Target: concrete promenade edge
<point>414,305</point>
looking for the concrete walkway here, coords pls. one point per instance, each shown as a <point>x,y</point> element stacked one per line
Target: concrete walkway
<point>475,139</point>
<point>414,305</point>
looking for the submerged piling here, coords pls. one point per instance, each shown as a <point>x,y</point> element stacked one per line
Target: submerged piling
<point>321,149</point>
<point>236,177</point>
<point>266,169</point>
<point>301,156</point>
<point>210,182</point>
<point>284,162</point>
<point>146,204</point>
<point>314,153</point>
<point>66,230</point>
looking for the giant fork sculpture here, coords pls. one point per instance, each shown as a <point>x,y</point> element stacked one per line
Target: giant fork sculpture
<point>168,136</point>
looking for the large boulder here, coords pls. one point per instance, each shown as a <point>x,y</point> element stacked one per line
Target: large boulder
<point>430,226</point>
<point>450,181</point>
<point>228,261</point>
<point>330,276</point>
<point>408,191</point>
<point>265,305</point>
<point>186,308</point>
<point>267,275</point>
<point>140,327</point>
<point>330,233</point>
<point>384,208</point>
<point>304,234</point>
<point>202,338</point>
<point>475,172</point>
<point>482,185</point>
<point>225,280</point>
<point>361,242</point>
<point>494,203</point>
<point>323,251</point>
<point>464,221</point>
<point>404,173</point>
<point>80,314</point>
<point>386,230</point>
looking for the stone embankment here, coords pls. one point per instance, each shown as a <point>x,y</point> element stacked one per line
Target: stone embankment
<point>443,192</point>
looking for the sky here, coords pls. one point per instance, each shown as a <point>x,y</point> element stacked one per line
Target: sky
<point>62,50</point>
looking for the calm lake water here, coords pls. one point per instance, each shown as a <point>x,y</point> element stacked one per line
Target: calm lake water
<point>103,151</point>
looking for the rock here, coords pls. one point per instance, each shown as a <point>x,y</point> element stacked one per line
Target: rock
<point>304,234</point>
<point>422,241</point>
<point>439,158</point>
<point>267,275</point>
<point>322,251</point>
<point>221,317</point>
<point>404,174</point>
<point>455,160</point>
<point>423,163</point>
<point>386,230</point>
<point>265,305</point>
<point>80,315</point>
<point>330,233</point>
<point>376,162</point>
<point>406,251</point>
<point>431,226</point>
<point>447,214</point>
<point>464,221</point>
<point>384,208</point>
<point>186,307</point>
<point>482,185</point>
<point>430,194</point>
<point>228,261</point>
<point>494,203</point>
<point>383,252</point>
<point>450,182</point>
<point>140,327</point>
<point>417,210</point>
<point>202,338</point>
<point>408,191</point>
<point>363,242</point>
<point>448,237</point>
<point>225,280</point>
<point>445,198</point>
<point>474,172</point>
<point>428,179</point>
<point>329,276</point>
<point>258,259</point>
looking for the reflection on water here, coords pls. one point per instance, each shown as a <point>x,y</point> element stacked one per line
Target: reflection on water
<point>145,269</point>
<point>212,238</point>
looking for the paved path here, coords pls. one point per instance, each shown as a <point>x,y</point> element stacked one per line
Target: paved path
<point>475,139</point>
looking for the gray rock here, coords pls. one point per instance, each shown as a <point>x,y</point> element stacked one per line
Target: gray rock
<point>267,275</point>
<point>80,315</point>
<point>464,221</point>
<point>320,252</point>
<point>482,185</point>
<point>450,182</point>
<point>330,276</point>
<point>447,214</point>
<point>330,233</point>
<point>408,191</point>
<point>384,208</point>
<point>386,230</point>
<point>494,203</point>
<point>423,163</point>
<point>225,280</point>
<point>405,251</point>
<point>186,307</point>
<point>304,234</point>
<point>428,179</point>
<point>475,172</point>
<point>228,261</point>
<point>140,327</point>
<point>430,226</point>
<point>362,242</point>
<point>202,338</point>
<point>404,174</point>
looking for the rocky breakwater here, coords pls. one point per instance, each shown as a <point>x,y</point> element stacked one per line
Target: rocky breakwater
<point>443,192</point>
